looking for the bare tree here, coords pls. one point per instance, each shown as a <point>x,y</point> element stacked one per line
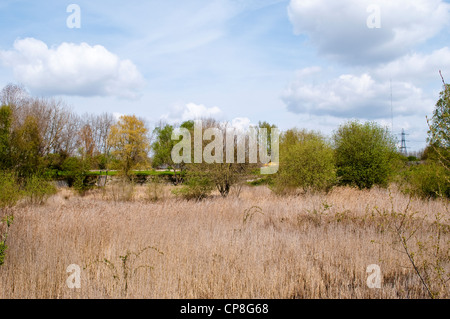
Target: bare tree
<point>227,170</point>
<point>57,124</point>
<point>13,95</point>
<point>101,128</point>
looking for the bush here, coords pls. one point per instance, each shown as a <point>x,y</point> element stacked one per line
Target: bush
<point>366,154</point>
<point>3,248</point>
<point>197,187</point>
<point>10,192</point>
<point>77,169</point>
<point>38,189</point>
<point>429,180</point>
<point>5,223</point>
<point>306,162</point>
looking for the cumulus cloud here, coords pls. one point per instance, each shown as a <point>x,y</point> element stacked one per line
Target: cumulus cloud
<point>339,28</point>
<point>417,67</point>
<point>72,69</point>
<point>241,124</point>
<point>353,96</point>
<point>191,111</point>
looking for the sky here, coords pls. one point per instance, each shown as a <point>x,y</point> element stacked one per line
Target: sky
<point>309,64</point>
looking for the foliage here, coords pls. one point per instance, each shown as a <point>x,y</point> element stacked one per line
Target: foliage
<point>10,194</point>
<point>198,185</point>
<point>163,145</point>
<point>221,172</point>
<point>77,169</point>
<point>20,144</point>
<point>5,223</point>
<point>222,176</point>
<point>427,180</point>
<point>366,154</point>
<point>129,142</point>
<point>5,132</point>
<point>10,190</point>
<point>37,189</point>
<point>162,149</point>
<point>439,131</point>
<point>306,162</point>
<point>54,162</point>
<point>26,146</point>
<point>439,125</point>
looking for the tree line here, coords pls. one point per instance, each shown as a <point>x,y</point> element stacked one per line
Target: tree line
<point>44,137</point>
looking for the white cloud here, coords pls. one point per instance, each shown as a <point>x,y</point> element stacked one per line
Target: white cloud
<point>72,69</point>
<point>194,111</point>
<point>354,96</point>
<point>117,115</point>
<point>191,111</point>
<point>417,67</point>
<point>339,28</point>
<point>241,124</point>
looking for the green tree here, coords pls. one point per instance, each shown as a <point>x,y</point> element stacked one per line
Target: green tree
<point>306,162</point>
<point>10,191</point>
<point>75,170</point>
<point>5,136</point>
<point>427,180</point>
<point>366,154</point>
<point>130,143</point>
<point>10,194</point>
<point>439,128</point>
<point>162,150</point>
<point>439,132</point>
<point>163,145</point>
<point>26,146</point>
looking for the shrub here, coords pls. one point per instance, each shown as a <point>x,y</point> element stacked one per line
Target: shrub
<point>222,172</point>
<point>76,170</point>
<point>10,192</point>
<point>38,189</point>
<point>366,154</point>
<point>197,187</point>
<point>3,248</point>
<point>427,180</point>
<point>306,162</point>
<point>9,195</point>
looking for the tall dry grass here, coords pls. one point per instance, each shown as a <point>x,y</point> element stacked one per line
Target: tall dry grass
<point>256,245</point>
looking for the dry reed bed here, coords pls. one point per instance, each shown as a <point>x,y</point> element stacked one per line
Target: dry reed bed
<point>217,248</point>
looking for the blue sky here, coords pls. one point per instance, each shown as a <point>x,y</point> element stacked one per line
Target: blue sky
<point>299,63</point>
